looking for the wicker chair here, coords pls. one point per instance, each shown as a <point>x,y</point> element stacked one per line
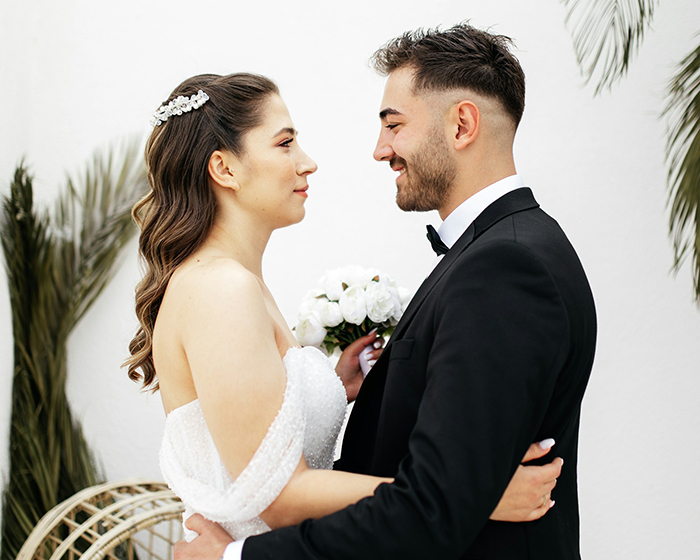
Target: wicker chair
<point>134,519</point>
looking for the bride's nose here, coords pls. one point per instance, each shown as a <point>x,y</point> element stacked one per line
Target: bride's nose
<point>306,165</point>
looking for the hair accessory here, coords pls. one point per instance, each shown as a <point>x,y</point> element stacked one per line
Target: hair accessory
<point>178,106</point>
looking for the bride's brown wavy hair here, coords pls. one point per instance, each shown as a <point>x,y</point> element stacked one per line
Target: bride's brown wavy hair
<point>176,216</point>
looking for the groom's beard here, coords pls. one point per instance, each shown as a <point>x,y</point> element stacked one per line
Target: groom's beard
<point>429,176</point>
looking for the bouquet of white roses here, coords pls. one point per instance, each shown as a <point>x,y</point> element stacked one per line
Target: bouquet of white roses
<point>348,304</point>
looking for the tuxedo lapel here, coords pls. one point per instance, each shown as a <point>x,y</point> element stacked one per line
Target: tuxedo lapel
<point>362,426</point>
<point>429,283</point>
<point>515,201</point>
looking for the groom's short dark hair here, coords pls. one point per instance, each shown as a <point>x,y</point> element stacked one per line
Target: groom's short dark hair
<point>461,57</point>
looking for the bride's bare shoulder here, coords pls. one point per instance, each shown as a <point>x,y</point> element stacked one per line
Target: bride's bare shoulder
<point>205,280</point>
<point>214,293</point>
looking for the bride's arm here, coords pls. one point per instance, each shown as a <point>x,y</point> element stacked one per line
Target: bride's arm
<point>313,493</point>
<point>229,340</point>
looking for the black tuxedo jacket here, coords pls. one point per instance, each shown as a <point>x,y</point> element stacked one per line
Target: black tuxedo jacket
<point>494,352</point>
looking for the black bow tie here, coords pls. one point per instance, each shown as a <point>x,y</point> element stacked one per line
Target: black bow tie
<point>434,237</point>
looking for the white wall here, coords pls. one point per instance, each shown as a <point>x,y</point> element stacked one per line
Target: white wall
<point>76,74</point>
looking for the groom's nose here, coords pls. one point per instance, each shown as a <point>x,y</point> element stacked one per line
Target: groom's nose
<point>383,150</point>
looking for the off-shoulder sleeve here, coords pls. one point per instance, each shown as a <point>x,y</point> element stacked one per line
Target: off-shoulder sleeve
<point>193,469</point>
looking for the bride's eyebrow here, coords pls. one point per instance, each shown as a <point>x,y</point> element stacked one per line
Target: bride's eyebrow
<point>286,130</point>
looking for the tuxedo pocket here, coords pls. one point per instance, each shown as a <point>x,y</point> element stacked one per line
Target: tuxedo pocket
<point>402,349</point>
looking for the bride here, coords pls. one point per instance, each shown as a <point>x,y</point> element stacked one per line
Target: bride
<point>252,418</point>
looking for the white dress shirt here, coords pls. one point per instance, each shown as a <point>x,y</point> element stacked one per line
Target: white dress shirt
<point>450,231</point>
<point>234,551</point>
<point>462,217</point>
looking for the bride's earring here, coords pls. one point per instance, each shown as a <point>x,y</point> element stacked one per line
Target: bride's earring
<point>230,171</point>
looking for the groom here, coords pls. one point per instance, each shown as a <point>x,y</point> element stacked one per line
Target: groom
<point>493,352</point>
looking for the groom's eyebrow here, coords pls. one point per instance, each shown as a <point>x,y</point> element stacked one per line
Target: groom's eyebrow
<point>384,113</point>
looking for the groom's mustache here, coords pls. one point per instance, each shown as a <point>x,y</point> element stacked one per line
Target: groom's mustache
<point>398,162</point>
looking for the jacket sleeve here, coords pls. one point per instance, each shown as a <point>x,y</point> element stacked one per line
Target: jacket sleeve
<point>500,337</point>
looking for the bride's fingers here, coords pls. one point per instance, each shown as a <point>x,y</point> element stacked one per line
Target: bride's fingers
<point>552,471</point>
<point>374,354</point>
<point>547,504</point>
<point>541,479</point>
<point>359,345</point>
<point>545,474</point>
<point>377,349</point>
<point>549,486</point>
<point>537,450</point>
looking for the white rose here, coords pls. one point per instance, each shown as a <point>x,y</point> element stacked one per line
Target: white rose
<point>352,305</point>
<point>379,301</point>
<point>313,300</point>
<point>309,331</point>
<point>355,276</point>
<point>372,274</point>
<point>314,293</point>
<point>332,284</point>
<point>386,279</point>
<point>396,300</point>
<point>405,296</point>
<point>329,313</point>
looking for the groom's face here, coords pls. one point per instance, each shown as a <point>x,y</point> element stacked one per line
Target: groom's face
<point>413,140</point>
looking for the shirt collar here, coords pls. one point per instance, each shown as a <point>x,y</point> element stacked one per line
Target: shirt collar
<point>461,217</point>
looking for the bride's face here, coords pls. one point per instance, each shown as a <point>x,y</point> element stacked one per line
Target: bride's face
<point>272,173</point>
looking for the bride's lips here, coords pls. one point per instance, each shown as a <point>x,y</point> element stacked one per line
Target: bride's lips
<point>302,191</point>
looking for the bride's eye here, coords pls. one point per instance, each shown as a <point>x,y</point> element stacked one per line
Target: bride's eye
<point>287,143</point>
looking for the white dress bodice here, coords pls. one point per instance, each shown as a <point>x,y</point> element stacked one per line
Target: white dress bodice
<point>308,423</point>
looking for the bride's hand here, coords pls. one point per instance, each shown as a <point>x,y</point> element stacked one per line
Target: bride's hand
<point>529,493</point>
<point>348,368</point>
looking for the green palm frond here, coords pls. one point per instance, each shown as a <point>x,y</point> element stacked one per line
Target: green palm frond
<point>607,34</point>
<point>57,266</point>
<point>683,158</point>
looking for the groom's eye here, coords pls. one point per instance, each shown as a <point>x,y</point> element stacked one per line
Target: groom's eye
<point>391,126</point>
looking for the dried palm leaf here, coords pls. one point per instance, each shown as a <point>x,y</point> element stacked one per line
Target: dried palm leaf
<point>57,266</point>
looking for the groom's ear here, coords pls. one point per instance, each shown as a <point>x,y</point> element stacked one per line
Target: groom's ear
<point>467,118</point>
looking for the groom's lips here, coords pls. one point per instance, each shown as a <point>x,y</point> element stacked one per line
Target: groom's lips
<point>400,170</point>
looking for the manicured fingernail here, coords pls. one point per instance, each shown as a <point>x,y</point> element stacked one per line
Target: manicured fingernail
<point>374,330</point>
<point>371,362</point>
<point>551,504</point>
<point>546,443</point>
<point>377,344</point>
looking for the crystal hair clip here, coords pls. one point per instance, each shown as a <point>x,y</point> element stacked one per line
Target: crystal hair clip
<point>178,106</point>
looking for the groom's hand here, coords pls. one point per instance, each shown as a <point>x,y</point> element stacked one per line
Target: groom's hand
<point>209,545</point>
<point>528,496</point>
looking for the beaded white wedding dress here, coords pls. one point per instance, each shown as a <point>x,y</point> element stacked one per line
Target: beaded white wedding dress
<point>308,422</point>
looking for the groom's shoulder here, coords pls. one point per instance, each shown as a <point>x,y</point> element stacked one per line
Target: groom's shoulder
<point>529,226</point>
<point>530,231</point>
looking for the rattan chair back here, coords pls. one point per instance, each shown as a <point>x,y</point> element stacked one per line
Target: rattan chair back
<point>134,519</point>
